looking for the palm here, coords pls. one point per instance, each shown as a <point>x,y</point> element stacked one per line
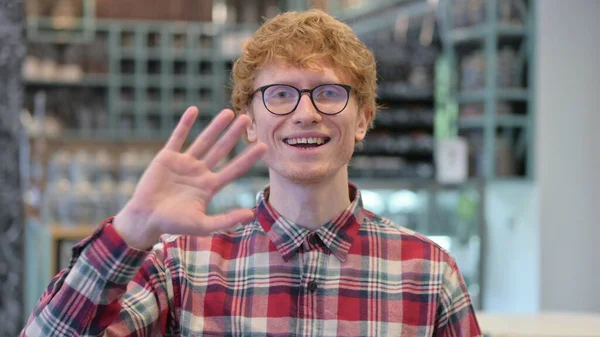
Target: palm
<point>176,188</point>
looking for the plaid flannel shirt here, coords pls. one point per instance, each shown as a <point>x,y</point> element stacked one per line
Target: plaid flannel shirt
<point>358,275</point>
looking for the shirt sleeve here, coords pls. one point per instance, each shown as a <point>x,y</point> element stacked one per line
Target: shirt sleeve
<point>455,314</point>
<point>89,296</point>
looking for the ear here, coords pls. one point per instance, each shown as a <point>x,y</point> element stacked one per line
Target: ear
<point>363,120</point>
<point>251,130</point>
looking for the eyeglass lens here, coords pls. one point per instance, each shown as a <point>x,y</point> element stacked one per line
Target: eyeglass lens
<point>328,98</point>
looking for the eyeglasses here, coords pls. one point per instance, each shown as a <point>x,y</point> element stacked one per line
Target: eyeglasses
<point>282,99</point>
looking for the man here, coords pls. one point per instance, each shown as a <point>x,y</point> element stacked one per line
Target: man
<point>307,261</point>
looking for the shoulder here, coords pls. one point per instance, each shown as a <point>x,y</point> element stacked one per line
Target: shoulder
<point>411,244</point>
<point>182,247</point>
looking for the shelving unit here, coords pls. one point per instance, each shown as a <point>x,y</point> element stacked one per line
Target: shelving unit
<point>479,32</point>
<point>159,69</point>
<point>155,70</point>
<point>402,142</point>
<point>488,130</point>
<point>72,30</point>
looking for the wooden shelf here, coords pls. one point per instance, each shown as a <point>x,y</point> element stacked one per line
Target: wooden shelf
<point>479,32</point>
<point>88,80</point>
<point>512,121</point>
<point>62,232</point>
<point>59,233</point>
<point>502,94</point>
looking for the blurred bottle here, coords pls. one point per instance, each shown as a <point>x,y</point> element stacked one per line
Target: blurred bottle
<point>476,11</point>
<point>57,198</point>
<point>83,205</point>
<point>146,157</point>
<point>127,39</point>
<point>460,14</point>
<point>96,56</point>
<point>505,158</point>
<point>65,13</point>
<point>132,164</point>
<point>59,166</point>
<point>507,67</point>
<point>107,198</point>
<point>125,191</point>
<point>472,68</point>
<point>81,167</point>
<point>509,12</point>
<point>32,65</point>
<point>476,153</point>
<point>101,166</point>
<point>48,63</point>
<point>70,69</point>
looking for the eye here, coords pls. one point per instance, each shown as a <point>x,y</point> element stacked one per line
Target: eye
<point>280,93</point>
<point>329,92</point>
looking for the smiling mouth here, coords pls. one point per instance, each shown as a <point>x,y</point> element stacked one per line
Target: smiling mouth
<point>307,143</point>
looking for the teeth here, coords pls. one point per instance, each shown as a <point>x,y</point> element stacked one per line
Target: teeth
<point>304,140</point>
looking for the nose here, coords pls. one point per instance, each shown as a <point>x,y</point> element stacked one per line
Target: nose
<point>305,112</point>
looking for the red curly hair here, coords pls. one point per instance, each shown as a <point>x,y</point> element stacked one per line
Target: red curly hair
<point>307,40</point>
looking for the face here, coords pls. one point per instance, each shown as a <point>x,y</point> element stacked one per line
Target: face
<point>335,135</point>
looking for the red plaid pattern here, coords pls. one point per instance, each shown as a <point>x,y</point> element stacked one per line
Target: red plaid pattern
<point>358,275</point>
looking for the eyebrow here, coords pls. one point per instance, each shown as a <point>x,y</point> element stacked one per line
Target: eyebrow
<point>312,84</point>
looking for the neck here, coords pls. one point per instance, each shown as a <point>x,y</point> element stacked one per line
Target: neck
<point>310,205</point>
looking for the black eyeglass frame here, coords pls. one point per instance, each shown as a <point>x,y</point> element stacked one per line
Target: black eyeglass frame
<point>300,92</point>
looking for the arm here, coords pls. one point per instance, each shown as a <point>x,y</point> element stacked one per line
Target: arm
<point>455,314</point>
<point>171,197</point>
<point>147,307</point>
<point>83,299</point>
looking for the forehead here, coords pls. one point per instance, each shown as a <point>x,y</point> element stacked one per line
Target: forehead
<point>279,71</point>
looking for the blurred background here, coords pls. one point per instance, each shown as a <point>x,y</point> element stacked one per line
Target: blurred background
<point>487,142</point>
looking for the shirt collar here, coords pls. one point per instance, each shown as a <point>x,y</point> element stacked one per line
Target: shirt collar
<point>337,234</point>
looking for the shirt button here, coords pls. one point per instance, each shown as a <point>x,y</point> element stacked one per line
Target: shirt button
<point>314,240</point>
<point>312,286</point>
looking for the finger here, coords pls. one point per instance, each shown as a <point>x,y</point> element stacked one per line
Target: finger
<point>179,135</point>
<point>227,220</point>
<point>240,164</point>
<point>207,138</point>
<point>226,142</point>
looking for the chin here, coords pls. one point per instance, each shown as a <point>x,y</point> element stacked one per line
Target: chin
<point>305,176</point>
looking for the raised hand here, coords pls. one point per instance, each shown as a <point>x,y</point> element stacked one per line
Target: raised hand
<point>174,191</point>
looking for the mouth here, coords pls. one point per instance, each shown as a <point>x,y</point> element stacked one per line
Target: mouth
<point>307,142</point>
